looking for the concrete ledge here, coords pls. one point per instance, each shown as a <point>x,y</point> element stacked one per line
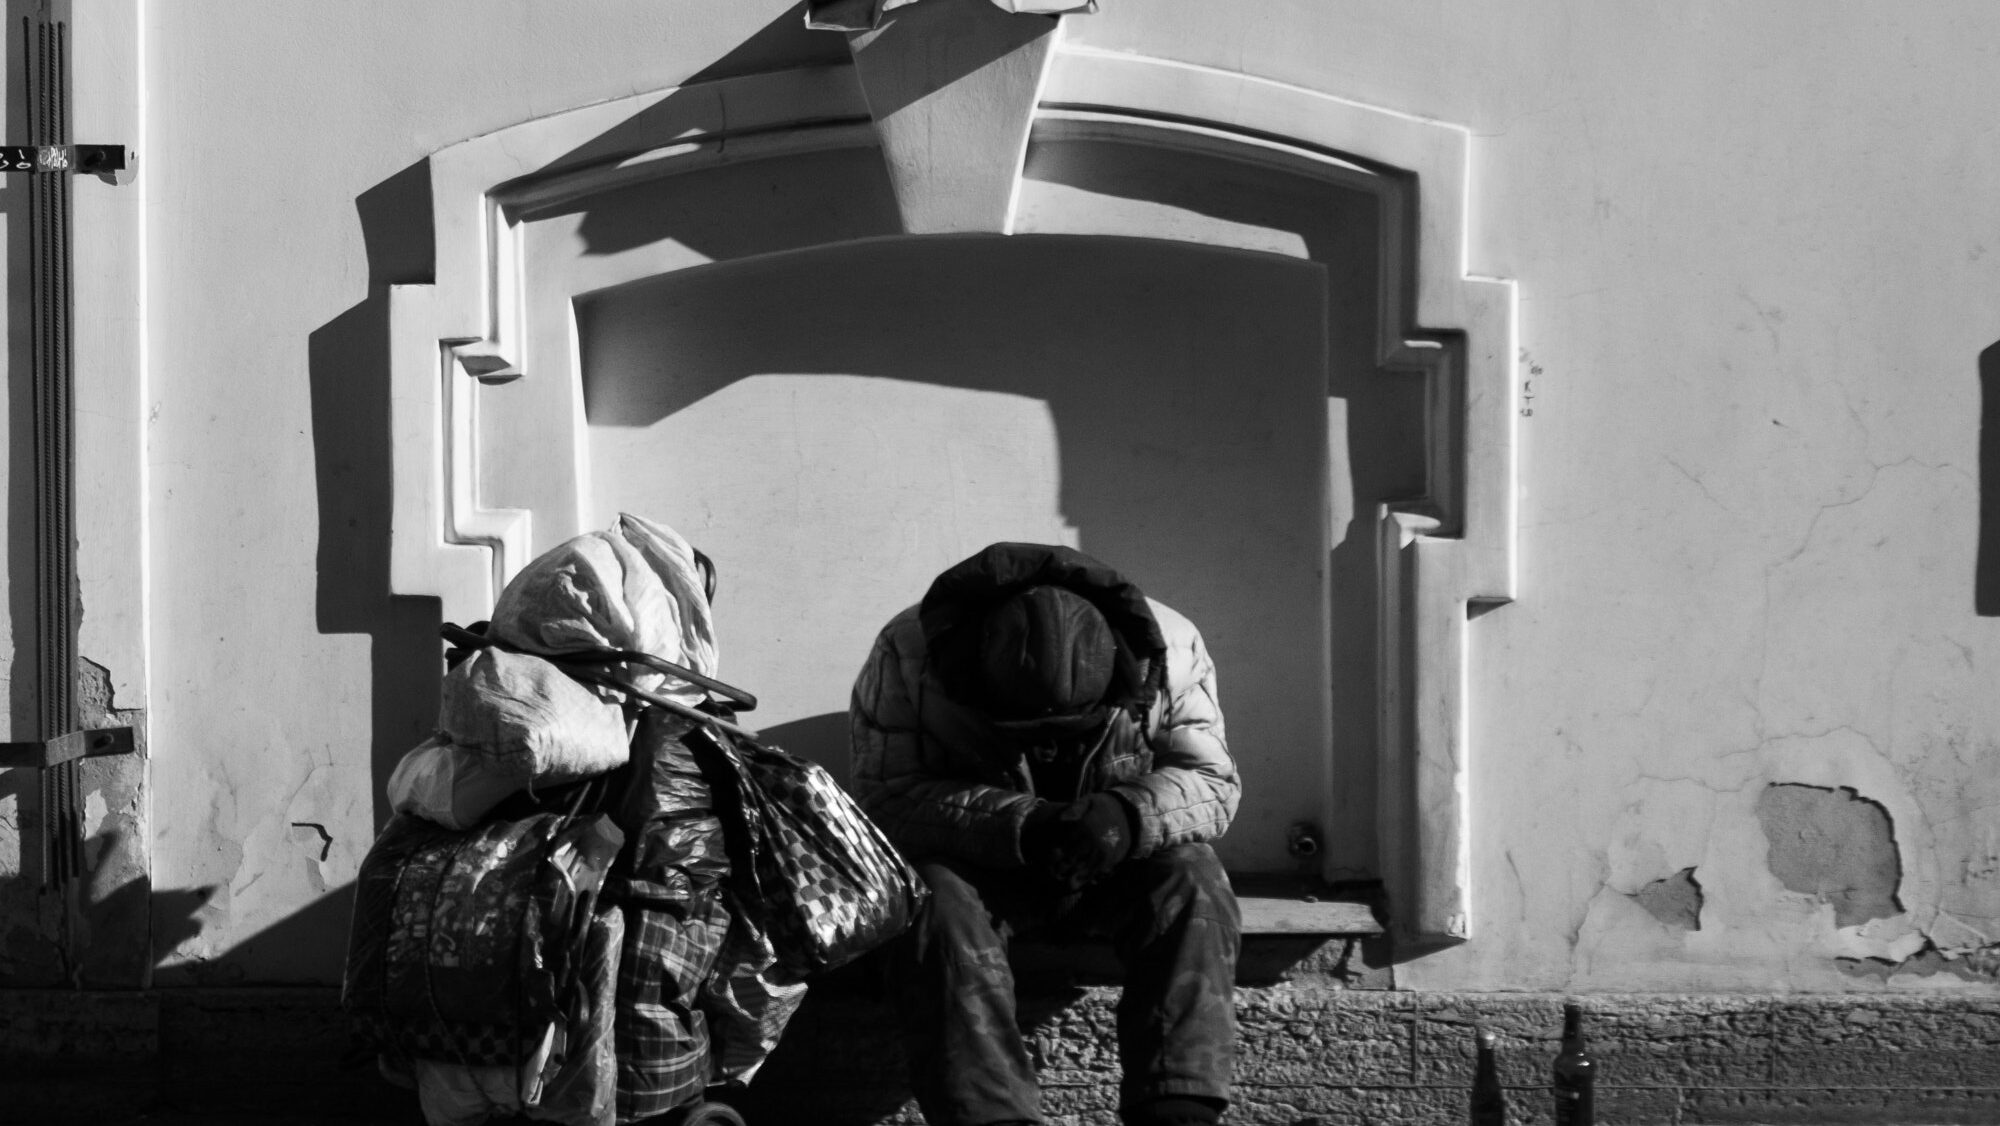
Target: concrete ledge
<point>1311,1055</point>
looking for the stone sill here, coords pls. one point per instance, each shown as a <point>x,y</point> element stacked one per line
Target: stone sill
<point>1275,915</point>
<point>1291,932</point>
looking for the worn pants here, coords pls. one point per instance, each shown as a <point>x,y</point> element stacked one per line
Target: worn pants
<point>1173,922</point>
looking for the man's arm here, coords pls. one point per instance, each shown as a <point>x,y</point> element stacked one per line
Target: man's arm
<point>1191,793</point>
<point>908,784</point>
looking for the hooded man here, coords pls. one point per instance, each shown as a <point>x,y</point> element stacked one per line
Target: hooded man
<point>1044,742</point>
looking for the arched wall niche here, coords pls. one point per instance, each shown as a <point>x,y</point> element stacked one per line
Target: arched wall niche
<point>543,226</point>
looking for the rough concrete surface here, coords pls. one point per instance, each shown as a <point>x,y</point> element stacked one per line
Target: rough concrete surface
<point>1674,900</point>
<point>1836,844</point>
<point>1309,1057</point>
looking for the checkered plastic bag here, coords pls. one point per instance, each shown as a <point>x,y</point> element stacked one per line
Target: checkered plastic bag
<point>822,880</point>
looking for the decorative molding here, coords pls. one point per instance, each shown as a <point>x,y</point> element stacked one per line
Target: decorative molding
<point>488,335</point>
<point>952,87</point>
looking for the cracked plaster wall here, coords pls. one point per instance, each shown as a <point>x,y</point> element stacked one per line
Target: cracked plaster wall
<point>1754,275</point>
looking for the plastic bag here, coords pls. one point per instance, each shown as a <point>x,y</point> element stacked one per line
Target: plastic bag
<point>747,1009</point>
<point>531,718</point>
<point>823,881</point>
<point>450,786</point>
<point>634,587</point>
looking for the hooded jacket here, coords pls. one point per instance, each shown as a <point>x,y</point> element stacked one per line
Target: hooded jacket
<point>942,780</point>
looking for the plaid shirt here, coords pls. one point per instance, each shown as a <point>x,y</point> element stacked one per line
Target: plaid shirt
<point>662,1034</point>
<point>694,1003</point>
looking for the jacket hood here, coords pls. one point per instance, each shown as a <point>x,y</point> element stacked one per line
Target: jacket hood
<point>959,599</point>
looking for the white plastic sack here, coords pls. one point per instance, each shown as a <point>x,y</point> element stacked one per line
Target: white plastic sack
<point>449,785</point>
<point>531,719</point>
<point>634,587</point>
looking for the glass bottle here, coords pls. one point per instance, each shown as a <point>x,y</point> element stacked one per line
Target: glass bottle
<point>1489,1102</point>
<point>1574,1074</point>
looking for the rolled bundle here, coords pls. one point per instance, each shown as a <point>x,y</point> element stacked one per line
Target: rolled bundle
<point>509,720</point>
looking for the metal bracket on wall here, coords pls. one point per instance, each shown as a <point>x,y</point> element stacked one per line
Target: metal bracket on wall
<point>102,161</point>
<point>62,791</point>
<point>98,743</point>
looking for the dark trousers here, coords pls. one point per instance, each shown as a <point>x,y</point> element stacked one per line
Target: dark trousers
<point>1172,920</point>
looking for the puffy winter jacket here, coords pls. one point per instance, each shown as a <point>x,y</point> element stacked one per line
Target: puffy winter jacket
<point>941,780</point>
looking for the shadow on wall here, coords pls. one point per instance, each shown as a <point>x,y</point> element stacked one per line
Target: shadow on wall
<point>806,276</point>
<point>821,738</point>
<point>32,953</point>
<point>350,379</point>
<point>320,925</point>
<point>1381,417</point>
<point>348,360</point>
<point>1186,396</point>
<point>1986,577</point>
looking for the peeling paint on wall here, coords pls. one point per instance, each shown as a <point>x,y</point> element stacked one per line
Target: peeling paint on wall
<point>1674,900</point>
<point>1835,844</point>
<point>1979,965</point>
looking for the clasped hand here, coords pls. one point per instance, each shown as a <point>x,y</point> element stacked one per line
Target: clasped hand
<point>1077,843</point>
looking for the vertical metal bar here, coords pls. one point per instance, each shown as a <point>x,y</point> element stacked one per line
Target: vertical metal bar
<point>47,76</point>
<point>64,354</point>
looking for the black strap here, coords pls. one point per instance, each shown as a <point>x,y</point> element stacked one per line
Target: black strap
<point>465,638</point>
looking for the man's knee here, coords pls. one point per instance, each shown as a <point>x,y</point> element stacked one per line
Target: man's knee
<point>1188,880</point>
<point>956,918</point>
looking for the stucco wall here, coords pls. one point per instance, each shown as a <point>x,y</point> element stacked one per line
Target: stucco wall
<point>1751,250</point>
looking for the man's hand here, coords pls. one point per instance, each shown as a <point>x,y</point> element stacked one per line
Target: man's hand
<point>1078,843</point>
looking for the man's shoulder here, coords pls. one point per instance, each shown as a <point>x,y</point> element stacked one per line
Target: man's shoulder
<point>899,643</point>
<point>904,632</point>
<point>1178,630</point>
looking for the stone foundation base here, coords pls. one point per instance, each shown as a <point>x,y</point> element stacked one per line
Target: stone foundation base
<point>1309,1055</point>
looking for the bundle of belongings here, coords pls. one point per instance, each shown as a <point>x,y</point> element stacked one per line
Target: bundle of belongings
<point>599,896</point>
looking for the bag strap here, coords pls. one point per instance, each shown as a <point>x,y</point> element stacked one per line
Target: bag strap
<point>587,667</point>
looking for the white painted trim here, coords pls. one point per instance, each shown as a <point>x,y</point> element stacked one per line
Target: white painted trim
<point>461,340</point>
<point>108,279</point>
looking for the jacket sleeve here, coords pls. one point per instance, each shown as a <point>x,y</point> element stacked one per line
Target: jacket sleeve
<point>916,789</point>
<point>1191,793</point>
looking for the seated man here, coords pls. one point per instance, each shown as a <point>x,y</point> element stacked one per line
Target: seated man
<point>1044,742</point>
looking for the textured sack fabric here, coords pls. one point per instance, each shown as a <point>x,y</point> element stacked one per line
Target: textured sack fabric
<point>662,1028</point>
<point>582,1091</point>
<point>449,785</point>
<point>634,587</point>
<point>528,722</point>
<point>530,718</point>
<point>824,883</point>
<point>467,947</point>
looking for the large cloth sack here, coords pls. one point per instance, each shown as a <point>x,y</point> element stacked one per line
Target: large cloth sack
<point>449,785</point>
<point>531,718</point>
<point>583,1091</point>
<point>635,586</point>
<point>821,879</point>
<point>507,722</point>
<point>470,948</point>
